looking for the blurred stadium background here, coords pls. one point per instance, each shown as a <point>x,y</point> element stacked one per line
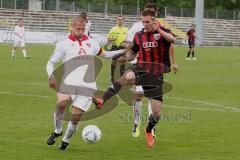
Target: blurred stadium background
<point>47,21</point>
<point>200,117</point>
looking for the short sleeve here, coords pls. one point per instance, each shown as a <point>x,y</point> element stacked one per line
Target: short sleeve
<point>97,50</point>
<point>110,34</point>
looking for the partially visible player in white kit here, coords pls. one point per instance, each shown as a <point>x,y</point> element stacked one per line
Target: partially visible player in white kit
<point>76,45</point>
<point>19,39</point>
<point>138,94</point>
<point>88,24</point>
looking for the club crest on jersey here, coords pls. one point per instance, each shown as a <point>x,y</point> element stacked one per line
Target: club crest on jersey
<point>89,45</point>
<point>157,36</point>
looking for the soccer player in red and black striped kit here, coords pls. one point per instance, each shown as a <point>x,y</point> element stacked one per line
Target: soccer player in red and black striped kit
<point>152,45</point>
<point>191,41</point>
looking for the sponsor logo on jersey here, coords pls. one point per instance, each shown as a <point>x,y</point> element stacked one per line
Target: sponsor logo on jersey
<point>150,44</point>
<point>82,51</point>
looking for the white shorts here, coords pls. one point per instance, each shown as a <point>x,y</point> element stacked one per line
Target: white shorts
<point>81,102</point>
<point>139,89</point>
<point>19,44</point>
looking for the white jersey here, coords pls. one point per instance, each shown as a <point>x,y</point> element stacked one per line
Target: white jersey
<point>137,27</point>
<point>88,26</point>
<point>72,48</point>
<point>19,31</point>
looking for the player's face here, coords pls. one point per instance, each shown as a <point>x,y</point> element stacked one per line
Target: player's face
<point>120,22</point>
<point>148,23</point>
<point>78,28</point>
<point>20,23</point>
<point>84,15</point>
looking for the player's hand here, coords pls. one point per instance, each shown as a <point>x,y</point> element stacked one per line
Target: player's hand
<point>52,82</point>
<point>175,68</point>
<point>155,26</point>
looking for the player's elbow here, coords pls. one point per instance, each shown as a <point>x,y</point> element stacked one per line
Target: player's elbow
<point>172,39</point>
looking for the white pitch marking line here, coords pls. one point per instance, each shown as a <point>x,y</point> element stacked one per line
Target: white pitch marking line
<point>27,83</point>
<point>194,108</point>
<point>206,103</point>
<point>26,95</point>
<point>177,98</point>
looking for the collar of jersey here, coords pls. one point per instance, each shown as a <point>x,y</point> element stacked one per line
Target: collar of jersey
<point>73,38</point>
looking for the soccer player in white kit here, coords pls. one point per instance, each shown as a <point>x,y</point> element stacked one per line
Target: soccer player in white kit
<point>19,39</point>
<point>88,24</point>
<point>77,45</point>
<point>138,94</point>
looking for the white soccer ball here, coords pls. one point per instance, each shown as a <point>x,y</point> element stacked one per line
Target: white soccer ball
<point>91,134</point>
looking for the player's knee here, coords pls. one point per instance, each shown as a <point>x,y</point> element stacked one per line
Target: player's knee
<point>62,105</point>
<point>128,77</point>
<point>75,119</point>
<point>75,122</point>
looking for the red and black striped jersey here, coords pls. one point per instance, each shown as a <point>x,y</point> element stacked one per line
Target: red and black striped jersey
<point>191,35</point>
<point>152,48</point>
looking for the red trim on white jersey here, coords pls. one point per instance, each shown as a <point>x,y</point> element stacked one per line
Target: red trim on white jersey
<point>73,38</point>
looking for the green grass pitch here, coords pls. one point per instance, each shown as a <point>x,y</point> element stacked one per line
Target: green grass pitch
<point>201,115</point>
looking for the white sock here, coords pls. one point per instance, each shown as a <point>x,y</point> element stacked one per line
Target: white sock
<point>137,106</point>
<point>13,53</point>
<point>24,52</point>
<point>58,119</point>
<point>149,108</point>
<point>71,129</point>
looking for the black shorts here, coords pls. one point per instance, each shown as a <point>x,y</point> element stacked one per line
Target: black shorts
<point>151,83</point>
<point>191,45</point>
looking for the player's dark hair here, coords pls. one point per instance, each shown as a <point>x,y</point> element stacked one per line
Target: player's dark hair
<point>148,12</point>
<point>194,25</point>
<point>20,19</point>
<point>151,6</point>
<point>84,14</point>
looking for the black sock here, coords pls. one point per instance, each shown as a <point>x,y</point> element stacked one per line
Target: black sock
<point>188,54</point>
<point>153,120</point>
<point>113,67</point>
<point>112,91</point>
<point>193,54</point>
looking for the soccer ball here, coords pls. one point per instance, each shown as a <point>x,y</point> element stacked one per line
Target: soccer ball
<point>91,134</point>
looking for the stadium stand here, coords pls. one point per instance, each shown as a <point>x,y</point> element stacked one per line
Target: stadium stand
<point>216,32</point>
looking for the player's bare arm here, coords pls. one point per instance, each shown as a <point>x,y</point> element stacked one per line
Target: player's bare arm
<point>111,54</point>
<point>172,57</point>
<point>169,37</point>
